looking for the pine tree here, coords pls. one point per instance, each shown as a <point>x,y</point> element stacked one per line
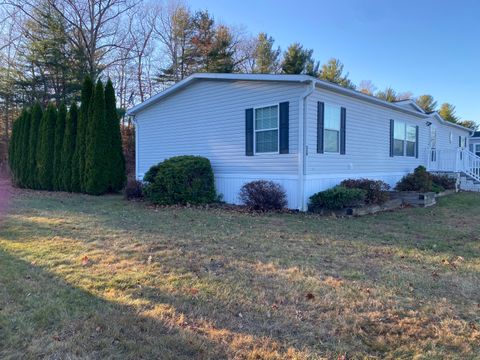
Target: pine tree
<point>116,160</point>
<point>447,112</point>
<point>22,149</point>
<point>333,71</point>
<point>298,60</point>
<point>68,147</point>
<point>97,146</point>
<point>426,102</point>
<point>57,156</point>
<point>78,161</point>
<point>46,148</point>
<point>266,57</point>
<point>36,118</point>
<point>388,94</point>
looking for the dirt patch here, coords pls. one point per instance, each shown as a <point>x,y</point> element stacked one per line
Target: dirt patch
<point>5,193</point>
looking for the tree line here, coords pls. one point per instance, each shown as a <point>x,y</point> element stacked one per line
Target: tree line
<point>48,46</point>
<point>75,149</point>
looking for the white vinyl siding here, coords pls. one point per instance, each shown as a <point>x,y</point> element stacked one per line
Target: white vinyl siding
<point>208,119</point>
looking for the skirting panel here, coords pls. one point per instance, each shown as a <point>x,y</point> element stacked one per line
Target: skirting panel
<point>228,185</point>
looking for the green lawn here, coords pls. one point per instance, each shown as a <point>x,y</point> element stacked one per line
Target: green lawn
<point>98,277</point>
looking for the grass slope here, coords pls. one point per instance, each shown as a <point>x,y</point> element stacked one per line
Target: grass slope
<point>97,277</point>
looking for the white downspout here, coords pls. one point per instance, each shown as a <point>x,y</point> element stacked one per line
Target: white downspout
<point>136,146</point>
<point>302,149</point>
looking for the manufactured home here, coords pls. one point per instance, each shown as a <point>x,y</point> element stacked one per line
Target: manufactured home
<point>304,133</point>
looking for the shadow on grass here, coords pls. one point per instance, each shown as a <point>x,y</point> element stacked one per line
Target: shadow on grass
<point>42,316</point>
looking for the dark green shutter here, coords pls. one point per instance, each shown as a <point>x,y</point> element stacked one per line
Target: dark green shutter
<point>343,120</point>
<point>249,132</point>
<point>320,122</point>
<point>391,136</point>
<point>416,142</point>
<point>284,125</point>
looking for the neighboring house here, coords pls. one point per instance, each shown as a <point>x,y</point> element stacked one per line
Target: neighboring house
<point>304,133</point>
<point>474,142</point>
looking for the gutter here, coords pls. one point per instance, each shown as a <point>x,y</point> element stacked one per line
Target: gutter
<point>302,148</point>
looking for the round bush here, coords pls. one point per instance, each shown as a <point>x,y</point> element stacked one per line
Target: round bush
<point>181,180</point>
<point>420,180</point>
<point>336,198</point>
<point>376,190</point>
<point>263,195</point>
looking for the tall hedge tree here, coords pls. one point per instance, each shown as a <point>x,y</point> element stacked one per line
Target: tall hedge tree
<point>46,148</point>
<point>22,160</point>
<point>36,118</point>
<point>12,149</point>
<point>97,146</point>
<point>78,162</point>
<point>116,160</point>
<point>57,156</point>
<point>68,147</point>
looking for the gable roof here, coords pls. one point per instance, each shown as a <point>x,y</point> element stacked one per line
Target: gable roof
<point>398,106</point>
<point>410,103</point>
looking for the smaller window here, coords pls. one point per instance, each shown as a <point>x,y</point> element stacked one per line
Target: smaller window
<point>477,149</point>
<point>332,129</point>
<point>459,141</point>
<point>398,138</point>
<point>464,141</point>
<point>411,139</point>
<point>266,129</point>
<point>451,137</point>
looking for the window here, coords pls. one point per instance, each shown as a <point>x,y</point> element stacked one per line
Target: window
<point>404,139</point>
<point>451,137</point>
<point>411,139</point>
<point>477,149</point>
<point>332,129</point>
<point>460,141</point>
<point>465,142</point>
<point>398,138</point>
<point>266,129</point>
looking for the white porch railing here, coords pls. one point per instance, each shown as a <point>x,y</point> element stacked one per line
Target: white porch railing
<point>454,160</point>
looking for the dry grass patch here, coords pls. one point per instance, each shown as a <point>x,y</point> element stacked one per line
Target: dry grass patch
<point>97,277</point>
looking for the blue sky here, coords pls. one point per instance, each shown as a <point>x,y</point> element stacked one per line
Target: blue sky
<point>422,46</point>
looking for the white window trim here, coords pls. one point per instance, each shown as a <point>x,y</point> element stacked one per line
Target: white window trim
<point>270,129</point>
<point>404,154</point>
<point>325,128</point>
<point>451,137</point>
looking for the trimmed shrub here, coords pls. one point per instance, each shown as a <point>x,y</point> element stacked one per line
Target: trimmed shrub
<point>376,190</point>
<point>445,181</point>
<point>45,148</point>
<point>336,198</point>
<point>68,147</point>
<point>437,188</point>
<point>58,147</point>
<point>420,180</point>
<point>151,174</point>
<point>133,190</point>
<point>263,195</point>
<point>181,180</point>
<point>37,115</point>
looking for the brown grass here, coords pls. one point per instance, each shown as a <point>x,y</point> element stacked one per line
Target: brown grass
<point>98,277</point>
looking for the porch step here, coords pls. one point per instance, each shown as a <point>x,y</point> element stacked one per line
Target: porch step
<point>468,184</point>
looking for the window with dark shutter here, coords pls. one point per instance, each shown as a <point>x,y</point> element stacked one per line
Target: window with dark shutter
<point>249,132</point>
<point>320,122</point>
<point>284,127</point>
<point>343,119</point>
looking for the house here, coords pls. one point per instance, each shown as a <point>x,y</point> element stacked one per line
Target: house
<point>304,133</point>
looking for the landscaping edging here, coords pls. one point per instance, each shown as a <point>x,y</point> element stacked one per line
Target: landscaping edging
<point>391,204</point>
<point>415,198</point>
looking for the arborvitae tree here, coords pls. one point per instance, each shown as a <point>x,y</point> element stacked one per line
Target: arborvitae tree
<point>22,149</point>
<point>57,156</point>
<point>36,118</point>
<point>116,161</point>
<point>46,148</point>
<point>13,146</point>
<point>78,161</point>
<point>98,146</point>
<point>68,147</point>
